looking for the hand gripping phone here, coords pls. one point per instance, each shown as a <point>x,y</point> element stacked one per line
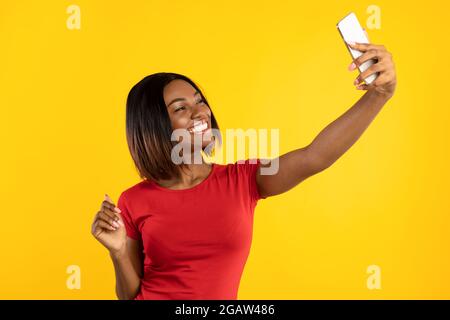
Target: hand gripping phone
<point>351,31</point>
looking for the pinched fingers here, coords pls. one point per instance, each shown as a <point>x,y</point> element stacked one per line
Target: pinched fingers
<point>109,207</point>
<point>101,215</point>
<point>111,210</point>
<point>100,223</point>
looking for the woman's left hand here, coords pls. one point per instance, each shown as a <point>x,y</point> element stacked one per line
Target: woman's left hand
<point>386,81</point>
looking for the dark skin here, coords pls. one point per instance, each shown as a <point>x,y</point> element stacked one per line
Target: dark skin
<point>294,167</point>
<point>126,253</point>
<point>186,107</point>
<point>329,145</point>
<point>336,138</point>
<point>108,226</point>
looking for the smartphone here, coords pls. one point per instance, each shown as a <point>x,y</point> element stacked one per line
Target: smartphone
<point>351,31</point>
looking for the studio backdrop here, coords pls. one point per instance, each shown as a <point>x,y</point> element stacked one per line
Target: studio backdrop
<point>375,225</point>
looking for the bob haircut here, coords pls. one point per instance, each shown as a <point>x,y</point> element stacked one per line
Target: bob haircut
<point>148,127</point>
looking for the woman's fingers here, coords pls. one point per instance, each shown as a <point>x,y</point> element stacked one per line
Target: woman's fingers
<point>370,51</point>
<point>377,67</point>
<point>108,198</point>
<point>108,202</point>
<point>109,205</point>
<point>99,226</point>
<point>377,53</point>
<point>383,79</point>
<point>104,225</point>
<point>108,219</point>
<point>113,214</point>
<point>384,65</point>
<point>380,81</point>
<point>363,47</point>
<point>366,56</point>
<point>362,87</point>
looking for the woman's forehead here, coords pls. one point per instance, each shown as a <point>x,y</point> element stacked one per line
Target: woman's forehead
<point>178,89</point>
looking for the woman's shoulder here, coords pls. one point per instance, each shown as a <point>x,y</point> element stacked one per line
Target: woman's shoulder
<point>134,190</point>
<point>242,167</point>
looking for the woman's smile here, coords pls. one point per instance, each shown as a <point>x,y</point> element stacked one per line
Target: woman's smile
<point>199,127</point>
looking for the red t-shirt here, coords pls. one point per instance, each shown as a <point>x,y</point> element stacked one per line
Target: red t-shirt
<point>196,241</point>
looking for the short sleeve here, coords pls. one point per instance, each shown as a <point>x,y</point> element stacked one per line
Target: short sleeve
<point>251,169</point>
<point>130,227</point>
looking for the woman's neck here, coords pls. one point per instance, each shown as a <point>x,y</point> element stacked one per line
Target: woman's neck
<point>190,175</point>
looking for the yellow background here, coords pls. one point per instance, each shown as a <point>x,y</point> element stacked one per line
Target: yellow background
<point>261,64</point>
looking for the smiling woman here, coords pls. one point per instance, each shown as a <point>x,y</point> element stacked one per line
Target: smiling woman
<point>156,106</point>
<point>185,231</point>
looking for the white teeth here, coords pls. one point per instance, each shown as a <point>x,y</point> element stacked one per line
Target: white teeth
<point>199,127</point>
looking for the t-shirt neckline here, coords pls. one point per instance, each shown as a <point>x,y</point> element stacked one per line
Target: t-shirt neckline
<point>204,181</point>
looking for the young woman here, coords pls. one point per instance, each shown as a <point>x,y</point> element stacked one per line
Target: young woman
<point>185,230</point>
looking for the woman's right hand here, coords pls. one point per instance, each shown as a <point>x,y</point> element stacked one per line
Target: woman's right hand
<point>108,227</point>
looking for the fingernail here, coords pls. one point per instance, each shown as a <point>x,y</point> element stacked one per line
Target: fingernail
<point>115,224</point>
<point>356,82</point>
<point>117,210</point>
<point>351,43</point>
<point>352,66</point>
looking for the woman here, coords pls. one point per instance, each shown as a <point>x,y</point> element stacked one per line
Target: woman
<point>185,231</point>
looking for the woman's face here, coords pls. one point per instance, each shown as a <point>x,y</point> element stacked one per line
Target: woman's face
<point>188,111</point>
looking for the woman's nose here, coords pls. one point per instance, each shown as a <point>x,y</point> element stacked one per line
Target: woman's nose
<point>198,112</point>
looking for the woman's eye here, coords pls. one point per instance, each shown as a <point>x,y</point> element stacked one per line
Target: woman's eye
<point>183,107</point>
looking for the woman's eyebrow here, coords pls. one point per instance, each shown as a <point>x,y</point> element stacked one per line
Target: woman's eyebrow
<point>181,99</point>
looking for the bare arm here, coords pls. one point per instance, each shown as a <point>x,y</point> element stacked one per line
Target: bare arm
<point>336,138</point>
<point>333,141</point>
<point>128,266</point>
<point>293,167</point>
